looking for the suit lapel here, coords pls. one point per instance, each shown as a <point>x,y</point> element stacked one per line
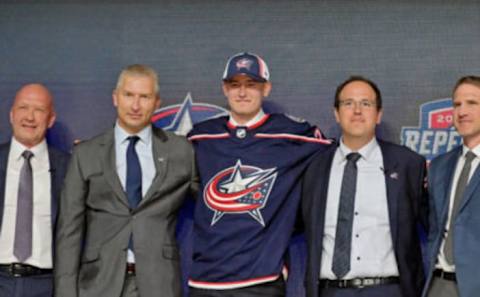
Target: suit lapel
<point>471,188</point>
<point>160,158</point>
<point>109,165</point>
<point>54,184</point>
<point>4,149</point>
<point>445,182</point>
<point>321,195</point>
<point>390,165</point>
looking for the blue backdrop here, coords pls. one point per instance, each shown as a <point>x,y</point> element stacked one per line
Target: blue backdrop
<point>414,50</point>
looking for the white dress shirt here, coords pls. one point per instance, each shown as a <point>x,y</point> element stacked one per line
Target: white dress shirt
<point>145,156</point>
<point>42,219</point>
<point>372,252</point>
<point>441,260</point>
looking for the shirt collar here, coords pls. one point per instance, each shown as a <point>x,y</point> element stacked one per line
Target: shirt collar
<point>252,122</point>
<point>475,150</point>
<point>366,151</point>
<point>39,151</point>
<point>121,135</point>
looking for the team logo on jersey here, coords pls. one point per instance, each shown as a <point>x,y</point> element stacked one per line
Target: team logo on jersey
<point>239,189</point>
<point>180,118</point>
<point>435,134</point>
<point>241,132</point>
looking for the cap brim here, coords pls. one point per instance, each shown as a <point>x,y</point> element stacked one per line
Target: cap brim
<point>252,76</point>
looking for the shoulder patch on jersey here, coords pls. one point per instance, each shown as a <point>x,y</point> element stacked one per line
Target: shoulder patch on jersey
<point>295,119</point>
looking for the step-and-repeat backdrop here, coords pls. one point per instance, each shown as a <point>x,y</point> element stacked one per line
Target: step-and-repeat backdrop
<point>414,51</point>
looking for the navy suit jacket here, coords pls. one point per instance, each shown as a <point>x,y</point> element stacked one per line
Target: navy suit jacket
<point>407,208</point>
<point>58,167</point>
<point>466,226</point>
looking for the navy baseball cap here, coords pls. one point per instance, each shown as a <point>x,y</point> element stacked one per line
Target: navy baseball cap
<point>247,64</point>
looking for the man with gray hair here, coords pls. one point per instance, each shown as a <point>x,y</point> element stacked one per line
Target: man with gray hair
<point>117,218</point>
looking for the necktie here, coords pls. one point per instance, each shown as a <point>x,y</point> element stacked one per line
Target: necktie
<point>457,199</point>
<point>22,247</point>
<point>343,235</point>
<point>134,174</point>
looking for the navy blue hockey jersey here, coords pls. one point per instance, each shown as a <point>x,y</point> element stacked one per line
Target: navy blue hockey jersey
<point>245,213</point>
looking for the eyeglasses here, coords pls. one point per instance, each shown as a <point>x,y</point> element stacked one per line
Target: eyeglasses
<point>363,104</point>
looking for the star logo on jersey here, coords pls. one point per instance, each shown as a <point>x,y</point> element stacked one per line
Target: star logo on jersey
<point>180,118</point>
<point>239,189</point>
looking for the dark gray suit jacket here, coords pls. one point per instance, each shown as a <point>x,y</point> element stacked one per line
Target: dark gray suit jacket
<point>95,221</point>
<point>58,166</point>
<point>407,209</point>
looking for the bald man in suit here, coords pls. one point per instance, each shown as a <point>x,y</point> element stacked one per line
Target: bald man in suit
<point>31,174</point>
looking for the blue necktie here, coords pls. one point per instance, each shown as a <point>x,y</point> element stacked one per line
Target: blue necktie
<point>343,235</point>
<point>134,174</point>
<point>22,247</point>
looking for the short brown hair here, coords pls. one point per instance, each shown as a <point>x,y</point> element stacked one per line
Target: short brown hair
<point>469,79</point>
<point>378,95</point>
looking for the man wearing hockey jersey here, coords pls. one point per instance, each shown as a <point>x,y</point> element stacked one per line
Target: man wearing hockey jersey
<point>250,164</point>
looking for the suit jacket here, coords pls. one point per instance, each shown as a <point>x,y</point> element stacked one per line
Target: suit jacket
<point>95,220</point>
<point>407,205</point>
<point>466,226</point>
<point>58,166</point>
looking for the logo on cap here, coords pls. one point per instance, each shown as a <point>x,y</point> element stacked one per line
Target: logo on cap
<point>244,63</point>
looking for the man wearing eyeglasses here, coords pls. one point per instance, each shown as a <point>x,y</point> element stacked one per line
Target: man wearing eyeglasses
<point>362,202</point>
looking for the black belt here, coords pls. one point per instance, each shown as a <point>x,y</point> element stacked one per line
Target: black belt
<point>445,275</point>
<point>357,283</point>
<point>20,269</point>
<point>130,269</point>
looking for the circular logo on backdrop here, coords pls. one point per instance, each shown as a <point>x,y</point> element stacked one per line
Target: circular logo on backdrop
<point>180,118</point>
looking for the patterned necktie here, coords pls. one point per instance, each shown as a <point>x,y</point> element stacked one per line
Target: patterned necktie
<point>22,247</point>
<point>457,199</point>
<point>343,235</point>
<point>134,174</point>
